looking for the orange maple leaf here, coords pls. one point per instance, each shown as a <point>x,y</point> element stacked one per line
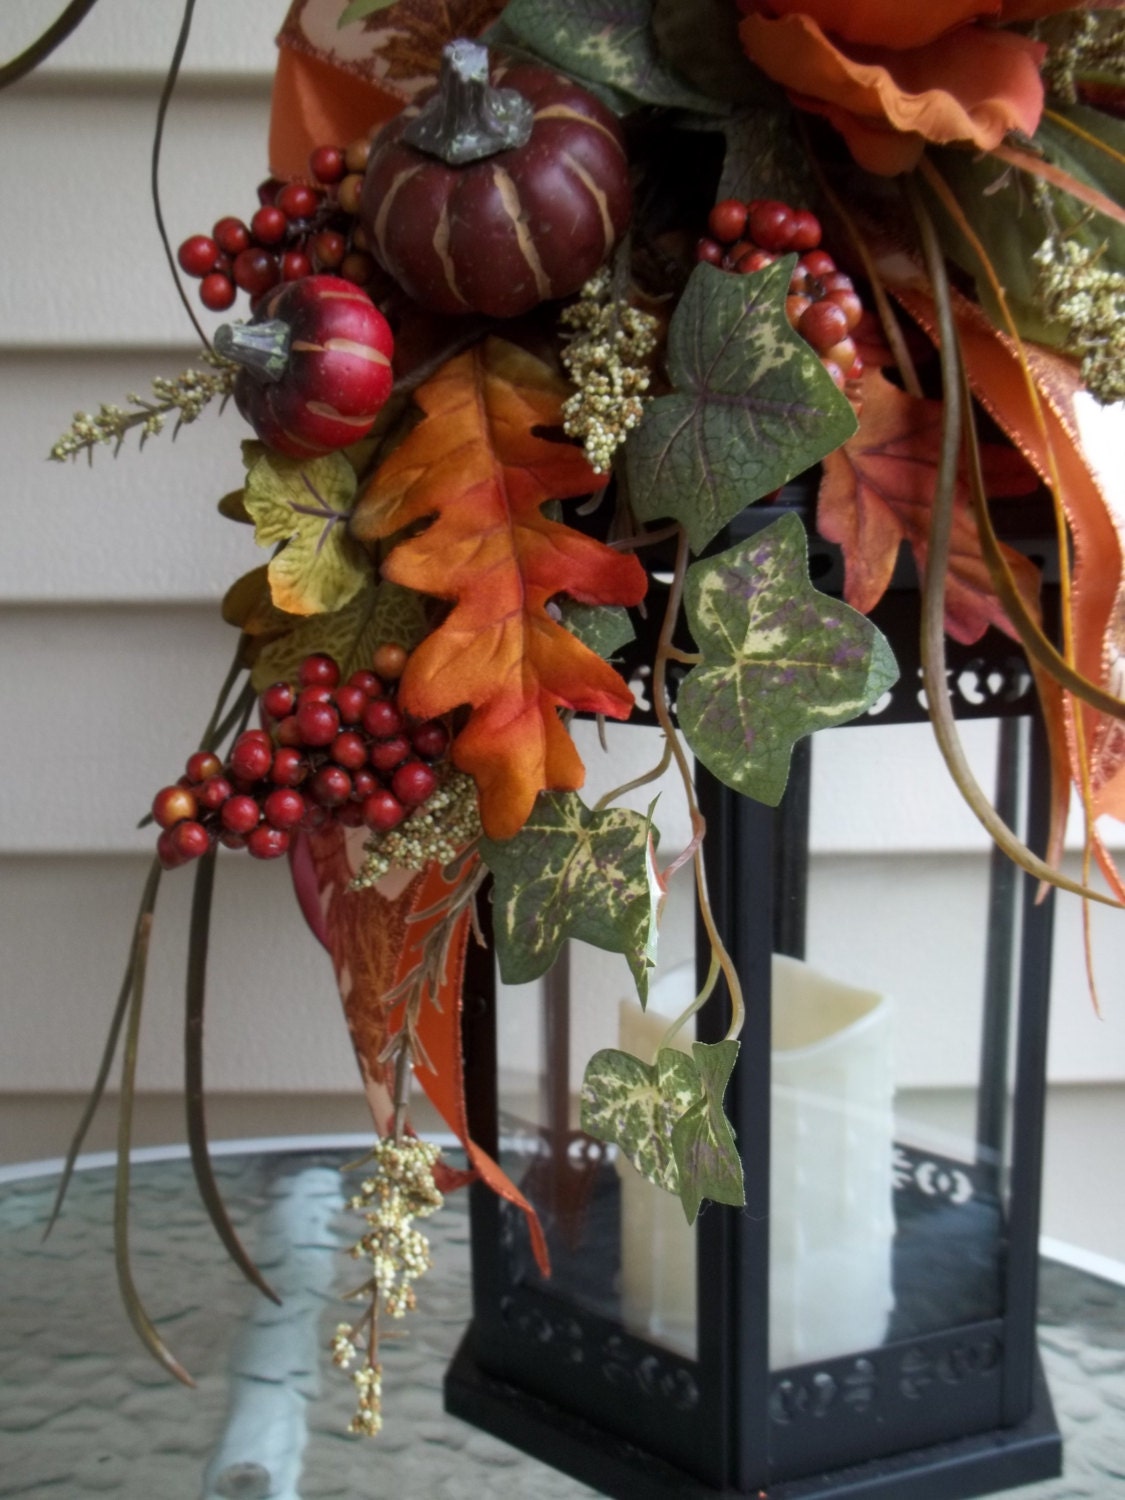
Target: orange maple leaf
<point>877,490</point>
<point>479,467</point>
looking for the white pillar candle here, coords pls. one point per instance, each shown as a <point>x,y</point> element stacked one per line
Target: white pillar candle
<point>831,1215</point>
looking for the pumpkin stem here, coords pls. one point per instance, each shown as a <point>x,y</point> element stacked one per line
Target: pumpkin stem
<point>260,348</point>
<point>468,119</point>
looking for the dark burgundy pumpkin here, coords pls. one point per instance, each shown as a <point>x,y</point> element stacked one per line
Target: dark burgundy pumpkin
<point>519,227</point>
<point>316,360</point>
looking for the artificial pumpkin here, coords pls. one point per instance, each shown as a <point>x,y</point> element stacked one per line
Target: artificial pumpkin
<point>503,189</point>
<point>316,366</point>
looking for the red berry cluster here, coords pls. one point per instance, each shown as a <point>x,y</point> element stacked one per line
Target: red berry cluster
<point>342,750</point>
<point>822,305</point>
<point>298,228</point>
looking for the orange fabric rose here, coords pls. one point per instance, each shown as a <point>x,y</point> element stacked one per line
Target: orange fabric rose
<point>892,76</point>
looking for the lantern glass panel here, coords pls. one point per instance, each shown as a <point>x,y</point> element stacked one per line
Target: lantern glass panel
<point>890,1051</point>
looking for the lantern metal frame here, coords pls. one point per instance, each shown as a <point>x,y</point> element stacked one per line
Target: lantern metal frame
<point>942,1415</point>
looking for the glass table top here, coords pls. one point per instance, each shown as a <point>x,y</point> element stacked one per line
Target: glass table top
<point>84,1411</point>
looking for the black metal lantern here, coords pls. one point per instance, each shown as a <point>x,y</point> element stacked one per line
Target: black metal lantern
<point>943,1398</point>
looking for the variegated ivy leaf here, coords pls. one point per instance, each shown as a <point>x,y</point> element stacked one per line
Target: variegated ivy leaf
<point>760,161</point>
<point>573,873</point>
<point>667,1117</point>
<point>304,507</point>
<point>752,405</point>
<point>780,659</point>
<point>707,1158</point>
<point>380,612</point>
<point>608,42</point>
<point>605,628</point>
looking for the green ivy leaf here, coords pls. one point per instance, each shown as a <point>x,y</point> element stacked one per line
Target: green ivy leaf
<point>605,628</point>
<point>573,873</point>
<point>752,405</point>
<point>699,38</point>
<point>608,42</point>
<point>667,1117</point>
<point>636,1105</point>
<point>359,10</point>
<point>304,507</point>
<point>707,1159</point>
<point>780,659</point>
<point>760,161</point>
<point>380,612</point>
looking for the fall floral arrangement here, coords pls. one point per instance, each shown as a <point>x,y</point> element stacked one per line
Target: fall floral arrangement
<point>658,257</point>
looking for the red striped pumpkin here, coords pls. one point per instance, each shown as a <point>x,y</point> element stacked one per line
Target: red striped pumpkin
<point>520,227</point>
<point>316,360</point>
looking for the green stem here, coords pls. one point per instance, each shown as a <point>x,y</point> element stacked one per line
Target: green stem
<point>937,563</point>
<point>697,1004</point>
<point>664,719</point>
<point>139,1318</point>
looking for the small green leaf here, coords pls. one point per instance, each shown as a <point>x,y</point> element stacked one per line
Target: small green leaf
<point>760,161</point>
<point>752,405</point>
<point>573,873</point>
<point>780,659</point>
<point>605,628</point>
<point>707,1159</point>
<point>359,10</point>
<point>699,38</point>
<point>381,612</point>
<point>636,1105</point>
<point>667,1117</point>
<point>305,507</point>
<point>608,42</point>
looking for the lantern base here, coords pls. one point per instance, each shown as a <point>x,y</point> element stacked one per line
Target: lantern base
<point>982,1464</point>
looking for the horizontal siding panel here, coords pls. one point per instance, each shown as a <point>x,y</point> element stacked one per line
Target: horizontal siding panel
<point>137,37</point>
<point>136,528</point>
<point>98,277</point>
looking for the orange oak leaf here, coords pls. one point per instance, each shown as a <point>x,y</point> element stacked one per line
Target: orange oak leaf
<point>877,491</point>
<point>480,468</point>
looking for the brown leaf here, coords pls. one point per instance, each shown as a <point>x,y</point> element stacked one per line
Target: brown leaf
<point>877,491</point>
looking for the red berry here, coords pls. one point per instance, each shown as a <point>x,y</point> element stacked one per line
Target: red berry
<point>216,292</point>
<point>315,694</point>
<point>166,851</point>
<point>319,723</point>
<point>795,307</point>
<point>389,660</point>
<point>368,682</point>
<point>255,271</point>
<point>268,225</point>
<point>757,260</point>
<point>430,740</point>
<point>736,251</point>
<point>239,814</point>
<point>189,839</point>
<point>202,764</point>
<point>262,736</point>
<point>329,249</point>
<point>268,190</point>
<point>277,700</point>
<point>709,251</point>
<point>250,759</point>
<point>284,808</point>
<point>231,840</point>
<point>771,224</point>
<point>330,786</point>
<point>348,750</point>
<point>318,671</point>
<point>817,263</point>
<point>289,733</point>
<point>294,265</point>
<point>843,354</point>
<point>267,843</point>
<point>289,766</point>
<point>327,164</point>
<point>364,782</point>
<point>231,236</point>
<point>197,254</point>
<point>382,811</point>
<point>387,754</point>
<point>172,804</point>
<point>382,719</point>
<point>351,700</point>
<point>850,303</point>
<point>806,231</point>
<point>297,200</point>
<point>727,220</point>
<point>214,792</point>
<point>823,324</point>
<point>413,783</point>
